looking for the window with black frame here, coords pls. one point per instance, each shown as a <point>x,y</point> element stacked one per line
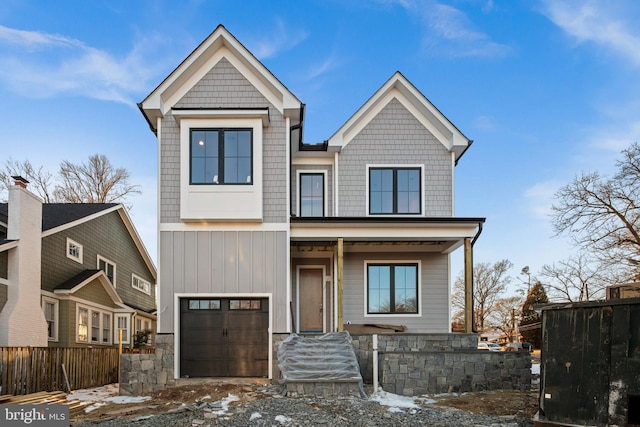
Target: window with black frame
<point>312,194</point>
<point>392,288</point>
<point>394,190</point>
<point>221,156</point>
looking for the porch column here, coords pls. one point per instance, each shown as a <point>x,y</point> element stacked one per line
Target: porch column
<point>340,284</point>
<point>468,286</point>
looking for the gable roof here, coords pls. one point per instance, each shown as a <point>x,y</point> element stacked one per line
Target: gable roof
<point>57,217</point>
<point>219,44</point>
<point>84,278</point>
<point>398,87</point>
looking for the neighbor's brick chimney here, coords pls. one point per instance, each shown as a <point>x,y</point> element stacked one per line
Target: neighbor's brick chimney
<point>22,321</point>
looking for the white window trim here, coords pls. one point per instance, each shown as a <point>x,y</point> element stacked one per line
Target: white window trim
<point>89,325</point>
<point>390,166</point>
<point>56,317</point>
<point>237,202</point>
<point>79,246</point>
<point>140,279</point>
<point>396,262</point>
<point>115,275</point>
<point>126,333</point>
<point>324,196</point>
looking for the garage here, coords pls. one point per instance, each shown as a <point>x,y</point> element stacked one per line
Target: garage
<point>224,337</point>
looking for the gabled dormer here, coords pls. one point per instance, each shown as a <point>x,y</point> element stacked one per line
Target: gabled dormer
<point>224,121</point>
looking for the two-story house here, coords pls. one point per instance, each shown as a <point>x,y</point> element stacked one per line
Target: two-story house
<point>72,274</point>
<point>262,234</point>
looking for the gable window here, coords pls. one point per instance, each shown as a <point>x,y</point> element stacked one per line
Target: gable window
<point>394,190</point>
<point>122,324</point>
<point>221,156</point>
<point>312,194</point>
<point>392,288</point>
<point>74,250</point>
<point>50,308</point>
<point>140,284</point>
<point>109,269</point>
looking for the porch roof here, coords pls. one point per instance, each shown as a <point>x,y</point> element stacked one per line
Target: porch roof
<point>442,234</point>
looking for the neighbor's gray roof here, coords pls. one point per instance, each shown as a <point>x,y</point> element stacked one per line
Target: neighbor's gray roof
<point>57,214</point>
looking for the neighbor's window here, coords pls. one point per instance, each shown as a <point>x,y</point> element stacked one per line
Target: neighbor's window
<point>106,328</point>
<point>394,190</point>
<point>50,308</point>
<point>83,325</point>
<point>74,250</point>
<point>140,284</point>
<point>109,269</point>
<point>312,194</point>
<point>221,156</point>
<point>122,324</point>
<point>392,288</point>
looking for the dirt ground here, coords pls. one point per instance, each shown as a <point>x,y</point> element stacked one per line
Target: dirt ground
<point>519,403</point>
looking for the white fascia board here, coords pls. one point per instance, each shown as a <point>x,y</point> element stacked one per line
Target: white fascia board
<point>262,114</point>
<point>389,233</point>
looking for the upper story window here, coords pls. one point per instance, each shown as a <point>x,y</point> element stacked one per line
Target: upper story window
<point>140,284</point>
<point>221,156</point>
<point>109,269</point>
<point>311,194</point>
<point>392,288</point>
<point>394,190</point>
<point>74,250</point>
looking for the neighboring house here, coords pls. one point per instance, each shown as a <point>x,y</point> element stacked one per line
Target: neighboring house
<point>82,265</point>
<point>262,234</point>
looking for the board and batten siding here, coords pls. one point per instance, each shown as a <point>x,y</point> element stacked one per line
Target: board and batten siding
<point>434,316</point>
<point>223,262</point>
<point>395,137</point>
<point>225,87</point>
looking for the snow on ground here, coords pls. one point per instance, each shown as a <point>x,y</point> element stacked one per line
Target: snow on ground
<point>396,402</point>
<point>535,369</point>
<point>101,395</point>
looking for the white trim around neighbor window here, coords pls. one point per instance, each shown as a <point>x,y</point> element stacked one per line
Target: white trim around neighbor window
<point>126,331</point>
<point>73,246</point>
<point>392,166</point>
<point>101,327</point>
<point>394,262</point>
<point>106,261</point>
<point>140,284</point>
<point>55,303</point>
<point>324,189</point>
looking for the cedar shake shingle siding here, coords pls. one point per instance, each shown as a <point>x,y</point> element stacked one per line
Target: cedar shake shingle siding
<point>225,87</point>
<point>395,137</point>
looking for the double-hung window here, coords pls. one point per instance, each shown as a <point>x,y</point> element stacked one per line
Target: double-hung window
<point>392,288</point>
<point>109,269</point>
<point>50,308</point>
<point>221,156</point>
<point>394,190</point>
<point>312,194</point>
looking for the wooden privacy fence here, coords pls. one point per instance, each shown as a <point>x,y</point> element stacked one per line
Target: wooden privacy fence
<point>25,370</point>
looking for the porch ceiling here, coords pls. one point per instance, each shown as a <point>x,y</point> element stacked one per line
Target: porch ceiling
<point>373,233</point>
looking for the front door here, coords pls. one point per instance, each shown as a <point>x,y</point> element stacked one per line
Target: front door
<point>311,300</point>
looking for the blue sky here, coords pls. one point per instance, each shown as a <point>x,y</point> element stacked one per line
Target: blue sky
<point>545,88</point>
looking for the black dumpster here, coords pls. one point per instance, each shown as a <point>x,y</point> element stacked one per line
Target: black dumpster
<point>590,364</point>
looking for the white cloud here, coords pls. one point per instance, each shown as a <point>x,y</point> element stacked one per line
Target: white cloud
<point>485,123</point>
<point>328,64</point>
<point>540,198</point>
<point>53,64</point>
<point>604,23</point>
<point>282,37</point>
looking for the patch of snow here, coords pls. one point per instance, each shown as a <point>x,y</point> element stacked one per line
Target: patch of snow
<point>224,404</point>
<point>94,394</point>
<point>535,369</point>
<point>282,419</point>
<point>94,407</point>
<point>395,402</point>
<point>126,399</point>
<point>205,397</point>
<point>255,416</point>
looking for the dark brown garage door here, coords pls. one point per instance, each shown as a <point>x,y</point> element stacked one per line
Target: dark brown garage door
<point>224,337</point>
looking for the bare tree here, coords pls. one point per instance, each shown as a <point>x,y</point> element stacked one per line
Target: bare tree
<point>40,180</point>
<point>96,181</point>
<point>602,214</point>
<point>575,279</point>
<point>505,314</point>
<point>489,284</point>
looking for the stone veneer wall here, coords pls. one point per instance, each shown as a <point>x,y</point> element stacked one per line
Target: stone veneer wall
<point>409,364</point>
<point>414,364</point>
<point>146,373</point>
